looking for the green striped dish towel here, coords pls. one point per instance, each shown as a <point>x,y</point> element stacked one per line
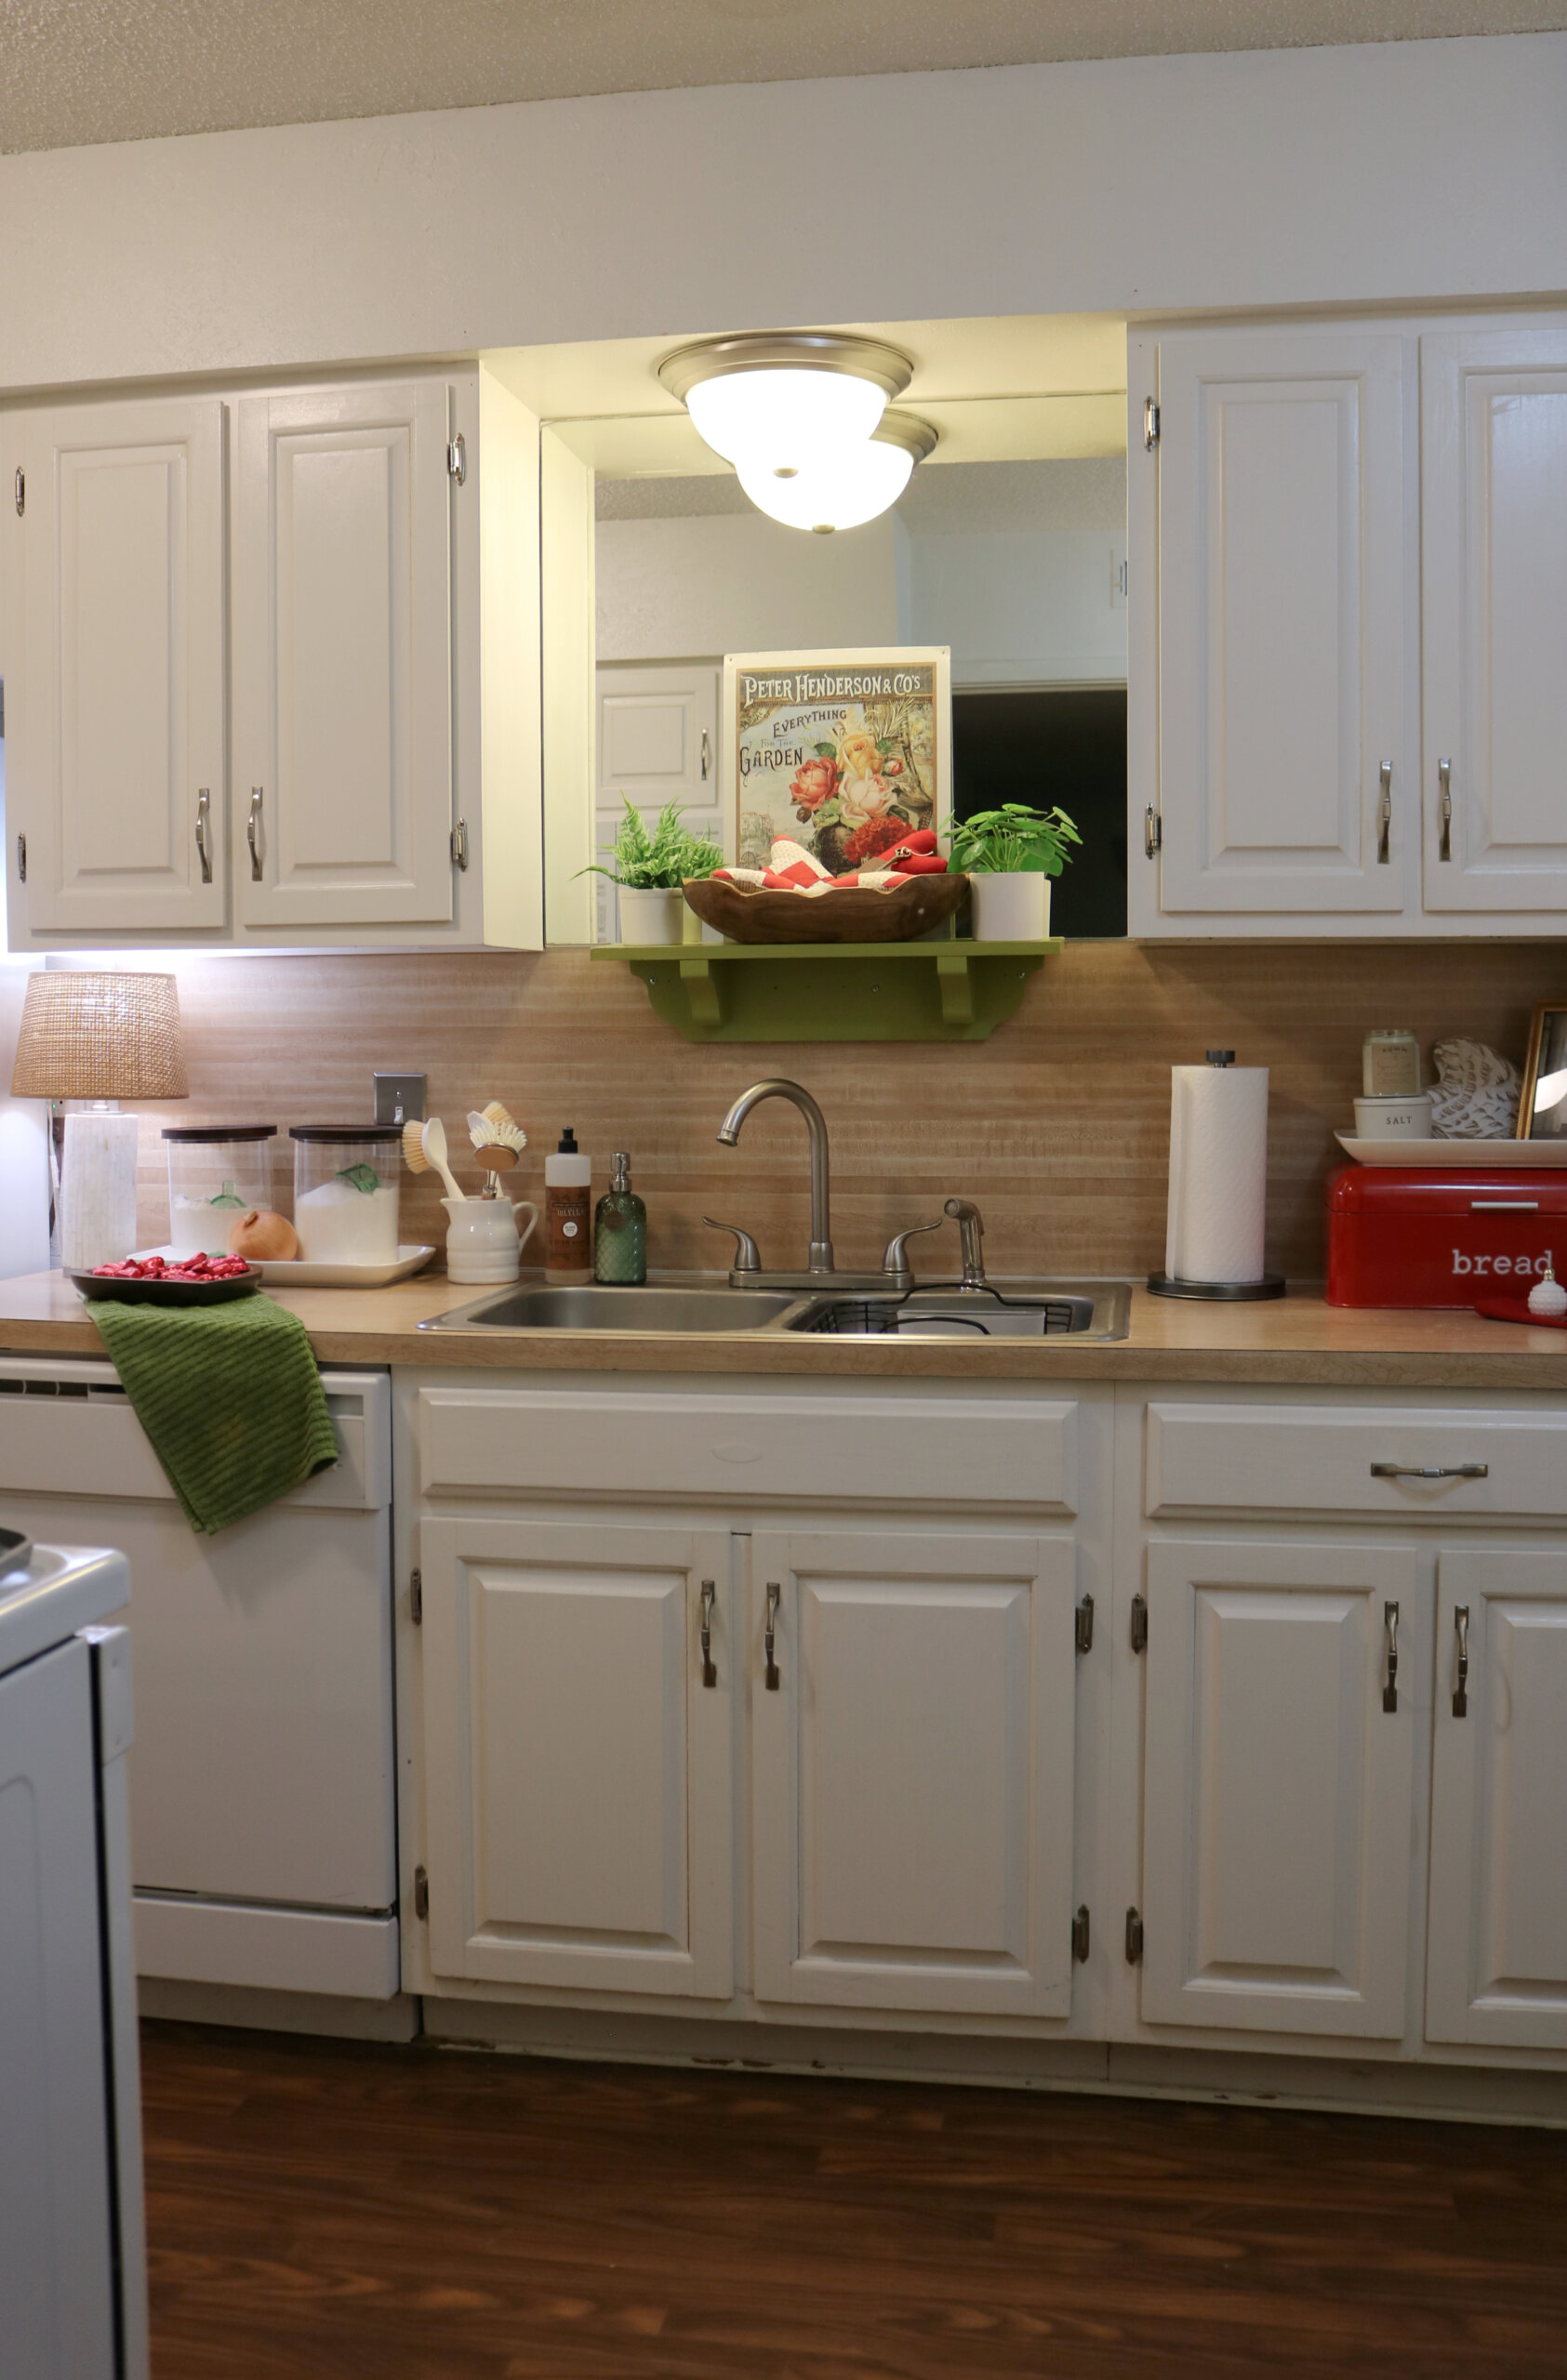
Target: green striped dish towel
<point>228,1396</point>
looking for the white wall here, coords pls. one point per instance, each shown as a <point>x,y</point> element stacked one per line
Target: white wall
<point>1023,608</point>
<point>677,588</point>
<point>1429,170</point>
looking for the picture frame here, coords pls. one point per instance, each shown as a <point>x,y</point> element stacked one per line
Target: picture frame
<point>1546,1069</point>
<point>845,751</point>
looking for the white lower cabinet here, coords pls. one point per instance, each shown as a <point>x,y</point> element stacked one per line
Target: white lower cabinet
<point>913,1749</point>
<point>1497,1951</point>
<point>577,1770</point>
<point>1278,1785</point>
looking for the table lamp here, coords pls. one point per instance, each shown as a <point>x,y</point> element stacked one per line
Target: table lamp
<point>93,1041</point>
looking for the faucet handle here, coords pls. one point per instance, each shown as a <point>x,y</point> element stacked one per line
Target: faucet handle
<point>895,1259</point>
<point>747,1257</point>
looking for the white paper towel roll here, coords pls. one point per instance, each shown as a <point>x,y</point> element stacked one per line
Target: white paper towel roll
<point>98,1196</point>
<point>1218,1173</point>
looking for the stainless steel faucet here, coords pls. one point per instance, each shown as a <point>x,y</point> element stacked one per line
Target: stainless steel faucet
<point>820,1258</point>
<point>971,1231</point>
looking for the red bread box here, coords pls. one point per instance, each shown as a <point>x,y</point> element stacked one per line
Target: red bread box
<point>1403,1235</point>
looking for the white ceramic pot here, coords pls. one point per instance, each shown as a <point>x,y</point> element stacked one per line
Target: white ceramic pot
<point>652,917</point>
<point>483,1240</point>
<point>1387,1119</point>
<point>1011,906</point>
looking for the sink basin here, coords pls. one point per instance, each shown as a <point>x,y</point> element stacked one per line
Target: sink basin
<point>1090,1310</point>
<point>661,1306</point>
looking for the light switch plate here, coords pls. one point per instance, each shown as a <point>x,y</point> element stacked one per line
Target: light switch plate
<point>399,1098</point>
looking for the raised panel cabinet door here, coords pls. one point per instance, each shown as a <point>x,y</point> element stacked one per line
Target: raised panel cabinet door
<point>343,657</point>
<point>1496,1963</point>
<point>913,1765</point>
<point>1285,726</point>
<point>116,702</point>
<point>1278,1788</point>
<point>577,1768</point>
<point>1493,616</point>
<point>657,742</point>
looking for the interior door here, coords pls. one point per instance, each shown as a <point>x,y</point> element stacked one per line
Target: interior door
<point>1284,612</point>
<point>1277,1787</point>
<point>1494,620</point>
<point>342,656</point>
<point>1497,1968</point>
<point>913,1767</point>
<point>117,773</point>
<point>576,1765</point>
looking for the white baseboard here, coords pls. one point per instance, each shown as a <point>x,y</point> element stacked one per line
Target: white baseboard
<point>334,2017</point>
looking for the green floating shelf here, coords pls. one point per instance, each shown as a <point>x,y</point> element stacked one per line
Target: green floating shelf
<point>834,991</point>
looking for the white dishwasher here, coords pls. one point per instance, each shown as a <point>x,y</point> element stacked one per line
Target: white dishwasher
<point>262,1780</point>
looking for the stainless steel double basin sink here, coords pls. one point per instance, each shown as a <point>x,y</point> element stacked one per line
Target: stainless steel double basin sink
<point>1011,1309</point>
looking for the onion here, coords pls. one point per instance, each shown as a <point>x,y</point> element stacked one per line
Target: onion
<point>264,1238</point>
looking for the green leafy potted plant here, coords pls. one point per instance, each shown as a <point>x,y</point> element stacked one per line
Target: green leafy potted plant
<point>650,868</point>
<point>1009,856</point>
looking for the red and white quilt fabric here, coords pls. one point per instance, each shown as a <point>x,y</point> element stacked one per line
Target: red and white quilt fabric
<point>791,869</point>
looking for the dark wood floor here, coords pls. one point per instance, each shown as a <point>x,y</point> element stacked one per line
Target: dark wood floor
<point>328,2211</point>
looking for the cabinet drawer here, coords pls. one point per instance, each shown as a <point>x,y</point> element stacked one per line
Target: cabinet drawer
<point>1320,1459</point>
<point>893,1449</point>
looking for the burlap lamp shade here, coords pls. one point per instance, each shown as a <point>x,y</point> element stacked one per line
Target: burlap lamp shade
<point>99,1037</point>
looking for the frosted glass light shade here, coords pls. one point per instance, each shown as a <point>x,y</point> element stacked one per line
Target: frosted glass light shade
<point>837,493</point>
<point>787,418</point>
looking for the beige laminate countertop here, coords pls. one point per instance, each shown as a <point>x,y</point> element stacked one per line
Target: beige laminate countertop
<point>1294,1340</point>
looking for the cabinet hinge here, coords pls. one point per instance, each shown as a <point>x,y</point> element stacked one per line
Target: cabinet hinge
<point>22,858</point>
<point>1139,1623</point>
<point>1082,1627</point>
<point>422,1894</point>
<point>21,491</point>
<point>1150,424</point>
<point>1134,1936</point>
<point>1153,832</point>
<point>416,1596</point>
<point>1079,1934</point>
<point>456,459</point>
<point>459,844</point>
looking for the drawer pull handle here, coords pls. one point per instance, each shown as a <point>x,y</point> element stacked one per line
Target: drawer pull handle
<point>770,1676</point>
<point>1461,1691</point>
<point>710,1674</point>
<point>1390,1624</point>
<point>1430,1470</point>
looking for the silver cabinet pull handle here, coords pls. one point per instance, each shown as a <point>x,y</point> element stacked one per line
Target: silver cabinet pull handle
<point>203,829</point>
<point>1385,817</point>
<point>1444,810</point>
<point>1390,1623</point>
<point>710,1674</point>
<point>707,755</point>
<point>251,823</point>
<point>1153,832</point>
<point>1430,1470</point>
<point>769,1640</point>
<point>1461,1691</point>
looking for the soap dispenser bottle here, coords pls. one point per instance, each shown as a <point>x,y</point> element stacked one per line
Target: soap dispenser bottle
<point>620,1229</point>
<point>568,1255</point>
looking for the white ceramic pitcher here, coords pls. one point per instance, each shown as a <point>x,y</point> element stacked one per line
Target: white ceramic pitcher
<point>484,1241</point>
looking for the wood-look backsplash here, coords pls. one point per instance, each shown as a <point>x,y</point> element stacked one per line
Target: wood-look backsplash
<point>1059,1125</point>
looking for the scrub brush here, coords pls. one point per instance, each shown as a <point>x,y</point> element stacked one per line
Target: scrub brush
<point>425,1145</point>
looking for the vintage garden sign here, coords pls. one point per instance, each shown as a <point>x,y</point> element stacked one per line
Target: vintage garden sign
<point>843,752</point>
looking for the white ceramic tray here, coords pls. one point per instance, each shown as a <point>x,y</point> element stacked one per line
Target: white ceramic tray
<point>1482,1157</point>
<point>297,1273</point>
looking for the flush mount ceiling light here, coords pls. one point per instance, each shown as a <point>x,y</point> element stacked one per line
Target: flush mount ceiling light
<point>841,489</point>
<point>780,400</point>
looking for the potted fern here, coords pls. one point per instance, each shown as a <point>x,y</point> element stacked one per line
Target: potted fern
<point>650,869</point>
<point>1009,856</point>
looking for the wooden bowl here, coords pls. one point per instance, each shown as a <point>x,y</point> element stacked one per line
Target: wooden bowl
<point>751,913</point>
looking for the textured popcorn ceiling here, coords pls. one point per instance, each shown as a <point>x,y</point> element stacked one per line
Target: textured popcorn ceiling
<point>80,70</point>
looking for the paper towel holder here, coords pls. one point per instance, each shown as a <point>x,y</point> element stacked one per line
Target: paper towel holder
<point>1165,1285</point>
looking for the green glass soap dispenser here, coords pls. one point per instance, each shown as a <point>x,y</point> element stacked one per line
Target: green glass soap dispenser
<point>620,1229</point>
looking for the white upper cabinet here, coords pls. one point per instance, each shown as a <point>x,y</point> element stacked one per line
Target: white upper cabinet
<point>912,1801</point>
<point>1496,1967</point>
<point>1283,680</point>
<point>1278,1785</point>
<point>1493,483</point>
<point>114,670</point>
<point>343,657</point>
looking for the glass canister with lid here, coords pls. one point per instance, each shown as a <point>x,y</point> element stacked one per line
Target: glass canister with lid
<point>216,1174</point>
<point>346,1180</point>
